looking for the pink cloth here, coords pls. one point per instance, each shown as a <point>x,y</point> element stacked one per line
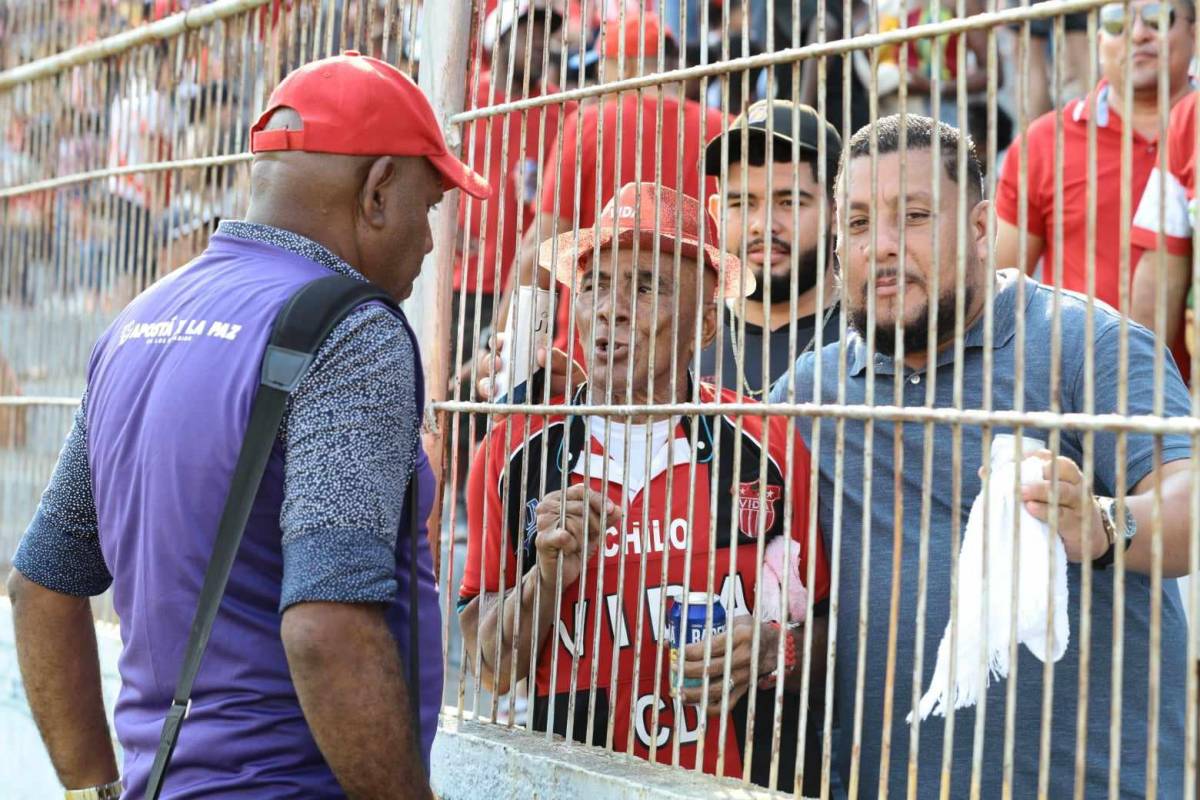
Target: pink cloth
<point>770,584</point>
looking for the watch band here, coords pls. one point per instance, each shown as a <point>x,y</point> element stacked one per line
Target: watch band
<point>1110,533</point>
<point>109,791</point>
<point>1127,530</point>
<point>1115,532</point>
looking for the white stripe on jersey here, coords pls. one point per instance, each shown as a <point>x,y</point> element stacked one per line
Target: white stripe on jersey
<point>1177,220</point>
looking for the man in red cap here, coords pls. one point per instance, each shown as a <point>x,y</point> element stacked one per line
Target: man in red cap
<point>509,147</point>
<point>302,691</point>
<point>615,150</point>
<point>604,146</point>
<point>639,508</point>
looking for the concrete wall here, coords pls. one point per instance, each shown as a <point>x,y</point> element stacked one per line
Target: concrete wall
<point>480,760</point>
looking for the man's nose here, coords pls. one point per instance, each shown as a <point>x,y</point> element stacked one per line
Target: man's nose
<point>887,239</point>
<point>756,223</point>
<point>612,305</point>
<point>1140,31</point>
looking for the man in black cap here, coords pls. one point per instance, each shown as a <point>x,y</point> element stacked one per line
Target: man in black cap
<point>769,215</point>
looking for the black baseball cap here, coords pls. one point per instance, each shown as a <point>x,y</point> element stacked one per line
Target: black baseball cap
<point>793,125</point>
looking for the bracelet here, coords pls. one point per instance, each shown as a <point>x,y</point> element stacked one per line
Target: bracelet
<point>109,791</point>
<point>789,658</point>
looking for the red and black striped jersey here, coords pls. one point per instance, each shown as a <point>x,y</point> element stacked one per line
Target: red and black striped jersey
<point>723,487</point>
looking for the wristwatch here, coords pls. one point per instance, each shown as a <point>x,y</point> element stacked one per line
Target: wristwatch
<point>1116,530</point>
<point>109,791</point>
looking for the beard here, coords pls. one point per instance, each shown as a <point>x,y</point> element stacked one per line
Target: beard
<point>915,332</point>
<point>781,285</point>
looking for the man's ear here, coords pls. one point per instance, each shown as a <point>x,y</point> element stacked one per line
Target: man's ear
<point>978,220</point>
<point>710,321</point>
<point>373,197</point>
<point>714,207</point>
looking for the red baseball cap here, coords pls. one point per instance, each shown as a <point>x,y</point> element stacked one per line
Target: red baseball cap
<point>631,34</point>
<point>633,209</point>
<point>354,105</point>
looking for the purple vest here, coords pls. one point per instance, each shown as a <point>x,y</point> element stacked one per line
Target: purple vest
<point>170,386</point>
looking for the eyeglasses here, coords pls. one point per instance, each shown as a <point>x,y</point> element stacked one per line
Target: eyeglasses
<point>1112,17</point>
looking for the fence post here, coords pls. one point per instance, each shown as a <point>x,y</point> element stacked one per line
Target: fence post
<point>445,45</point>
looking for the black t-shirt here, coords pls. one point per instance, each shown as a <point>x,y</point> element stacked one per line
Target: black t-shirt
<point>833,89</point>
<point>803,329</point>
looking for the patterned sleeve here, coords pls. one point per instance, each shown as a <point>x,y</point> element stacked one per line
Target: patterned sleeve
<point>61,547</point>
<point>350,441</point>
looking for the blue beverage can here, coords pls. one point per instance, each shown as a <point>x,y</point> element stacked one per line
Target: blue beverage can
<point>681,632</point>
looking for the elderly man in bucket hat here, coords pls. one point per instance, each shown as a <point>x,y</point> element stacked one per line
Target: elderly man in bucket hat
<point>637,509</point>
<point>302,689</point>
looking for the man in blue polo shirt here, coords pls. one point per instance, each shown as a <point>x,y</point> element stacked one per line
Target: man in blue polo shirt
<point>301,693</point>
<point>874,220</point>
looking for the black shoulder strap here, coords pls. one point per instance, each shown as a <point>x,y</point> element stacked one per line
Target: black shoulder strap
<point>300,328</point>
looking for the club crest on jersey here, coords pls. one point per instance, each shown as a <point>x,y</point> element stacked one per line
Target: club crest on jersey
<point>753,503</point>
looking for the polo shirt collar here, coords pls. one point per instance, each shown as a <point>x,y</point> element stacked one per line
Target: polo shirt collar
<point>704,436</point>
<point>1106,115</point>
<point>676,451</point>
<point>1004,327</point>
<point>290,241</point>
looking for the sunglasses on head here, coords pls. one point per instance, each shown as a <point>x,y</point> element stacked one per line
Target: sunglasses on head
<point>1112,17</point>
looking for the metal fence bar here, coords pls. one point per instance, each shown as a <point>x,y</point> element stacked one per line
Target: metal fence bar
<point>1124,423</point>
<point>1088,576</point>
<point>1118,577</point>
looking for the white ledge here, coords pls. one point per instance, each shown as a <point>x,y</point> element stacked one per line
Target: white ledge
<point>473,759</point>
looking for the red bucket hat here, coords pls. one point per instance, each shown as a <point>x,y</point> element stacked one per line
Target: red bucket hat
<point>633,210</point>
<point>354,105</point>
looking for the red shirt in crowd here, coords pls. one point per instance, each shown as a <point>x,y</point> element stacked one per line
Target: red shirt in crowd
<point>1040,198</point>
<point>1178,215</point>
<point>598,126</point>
<point>503,494</point>
<point>513,177</point>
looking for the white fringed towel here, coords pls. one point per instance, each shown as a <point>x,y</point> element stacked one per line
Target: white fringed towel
<point>1037,570</point>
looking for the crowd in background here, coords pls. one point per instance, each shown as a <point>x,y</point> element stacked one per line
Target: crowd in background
<point>145,112</point>
<point>154,115</point>
<point>556,168</point>
<point>618,40</point>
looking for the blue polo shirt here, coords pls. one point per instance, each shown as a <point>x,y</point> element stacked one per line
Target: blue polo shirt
<point>1139,462</point>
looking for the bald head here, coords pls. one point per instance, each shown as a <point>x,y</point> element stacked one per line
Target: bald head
<point>371,211</point>
<point>287,178</point>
